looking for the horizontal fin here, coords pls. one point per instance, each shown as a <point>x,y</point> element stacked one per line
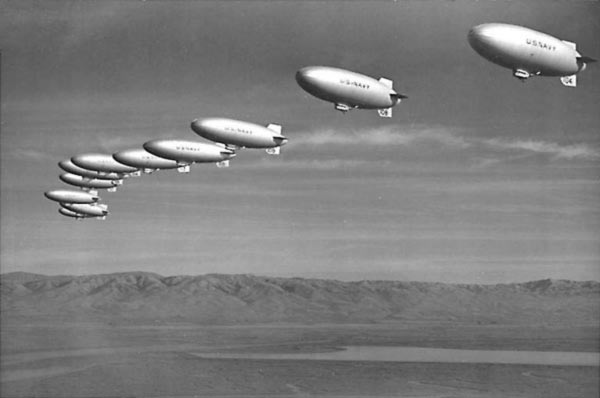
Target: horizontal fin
<point>274,151</point>
<point>586,60</point>
<point>569,81</point>
<point>184,168</point>
<point>386,112</point>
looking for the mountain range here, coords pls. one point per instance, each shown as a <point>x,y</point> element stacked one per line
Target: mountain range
<point>244,299</point>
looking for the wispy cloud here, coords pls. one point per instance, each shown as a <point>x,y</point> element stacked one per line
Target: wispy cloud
<point>32,155</point>
<point>573,151</point>
<point>451,138</point>
<point>392,135</point>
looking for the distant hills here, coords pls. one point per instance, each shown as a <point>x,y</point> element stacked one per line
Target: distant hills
<point>240,299</point>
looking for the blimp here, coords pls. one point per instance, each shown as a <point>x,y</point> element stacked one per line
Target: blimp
<point>69,167</point>
<point>187,152</point>
<point>349,90</point>
<point>104,164</point>
<point>68,196</point>
<point>78,216</point>
<point>90,183</point>
<point>144,160</point>
<point>93,210</point>
<point>235,134</point>
<point>528,52</point>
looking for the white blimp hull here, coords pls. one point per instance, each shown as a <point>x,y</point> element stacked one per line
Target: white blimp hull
<point>104,164</point>
<point>144,160</point>
<point>93,210</point>
<point>68,196</point>
<point>90,183</point>
<point>70,167</point>
<point>348,90</point>
<point>240,134</point>
<point>528,52</point>
<point>187,152</point>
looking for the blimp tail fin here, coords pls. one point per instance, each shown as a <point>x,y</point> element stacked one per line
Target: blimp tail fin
<point>274,127</point>
<point>569,81</point>
<point>184,168</point>
<point>274,151</point>
<point>386,112</point>
<point>386,82</point>
<point>570,44</point>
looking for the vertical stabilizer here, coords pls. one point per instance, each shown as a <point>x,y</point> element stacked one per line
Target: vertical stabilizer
<point>275,127</point>
<point>570,44</point>
<point>386,82</point>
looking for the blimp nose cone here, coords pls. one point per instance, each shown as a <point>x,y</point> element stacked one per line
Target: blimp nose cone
<point>122,157</point>
<point>475,35</point>
<point>306,76</point>
<point>196,125</point>
<point>150,145</point>
<point>483,35</point>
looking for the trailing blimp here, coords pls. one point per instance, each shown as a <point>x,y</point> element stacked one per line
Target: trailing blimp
<point>68,196</point>
<point>104,164</point>
<point>187,152</point>
<point>349,90</point>
<point>78,216</point>
<point>69,167</point>
<point>144,160</point>
<point>93,210</point>
<point>528,52</point>
<point>90,183</point>
<point>236,134</point>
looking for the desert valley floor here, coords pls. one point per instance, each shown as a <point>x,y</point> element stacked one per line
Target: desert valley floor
<point>107,360</point>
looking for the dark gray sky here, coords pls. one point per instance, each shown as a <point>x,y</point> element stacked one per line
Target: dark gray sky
<point>477,177</point>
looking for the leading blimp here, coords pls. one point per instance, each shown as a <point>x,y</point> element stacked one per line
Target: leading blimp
<point>349,90</point>
<point>187,152</point>
<point>236,134</point>
<point>528,52</point>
